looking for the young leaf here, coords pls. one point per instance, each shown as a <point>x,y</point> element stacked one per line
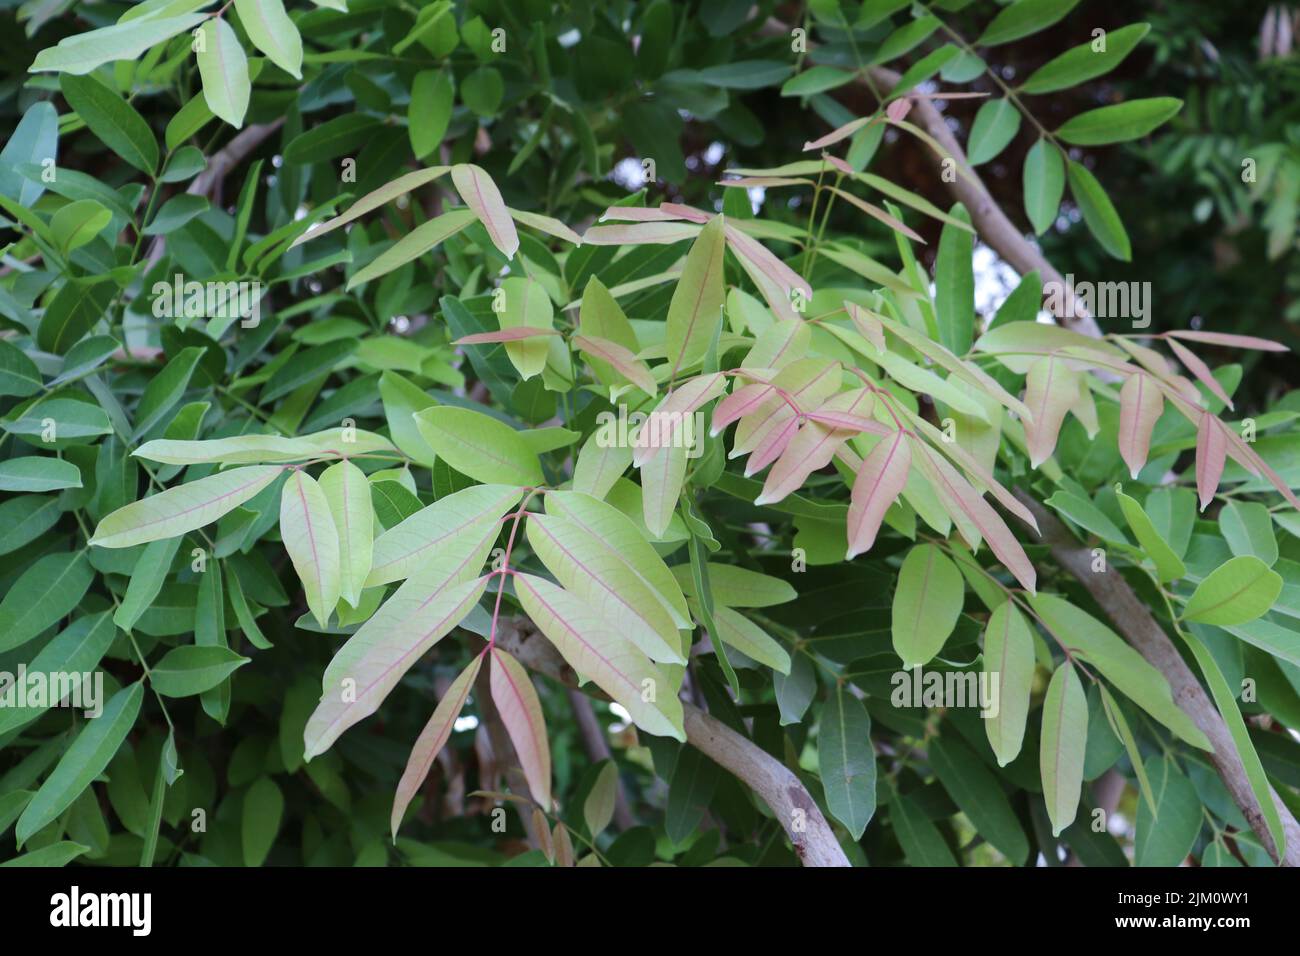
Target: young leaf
<point>879,482</point>
<point>432,739</point>
<point>183,508</point>
<point>521,712</point>
<point>927,603</point>
<point>481,195</point>
<point>598,808</point>
<point>1140,405</point>
<point>312,541</point>
<point>1211,455</point>
<point>527,306</point>
<point>1051,388</point>
<point>348,492</point>
<point>411,246</point>
<point>695,312</point>
<point>1061,751</point>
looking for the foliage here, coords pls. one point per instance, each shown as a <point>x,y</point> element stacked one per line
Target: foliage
<point>435,388</point>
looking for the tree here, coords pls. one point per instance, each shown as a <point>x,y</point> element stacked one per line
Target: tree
<point>494,444</point>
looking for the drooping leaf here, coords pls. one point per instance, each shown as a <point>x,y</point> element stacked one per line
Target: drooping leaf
<point>223,67</point>
<point>695,312</point>
<point>847,760</point>
<point>1062,746</point>
<point>312,540</point>
<point>927,603</point>
<point>272,32</point>
<point>348,492</point>
<point>1009,663</point>
<point>520,710</point>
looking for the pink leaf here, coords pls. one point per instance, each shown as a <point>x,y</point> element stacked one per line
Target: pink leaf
<point>652,233</point>
<point>1140,405</point>
<point>1200,370</point>
<point>504,335</point>
<point>1051,387</point>
<point>843,421</point>
<point>1230,341</point>
<point>668,416</point>
<point>1211,453</point>
<point>880,480</point>
<point>738,404</point>
<point>689,213</point>
<point>622,359</point>
<point>877,213</point>
<point>771,446</point>
<point>843,132</point>
<point>867,323</point>
<point>637,214</point>
<point>521,713</point>
<point>757,255</point>
<point>546,224</point>
<point>431,740</point>
<point>482,196</point>
<point>897,111</point>
<point>839,164</point>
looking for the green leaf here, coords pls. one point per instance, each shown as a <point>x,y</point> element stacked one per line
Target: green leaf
<point>182,508</point>
<point>1168,565</point>
<point>1099,646</point>
<point>35,140</point>
<point>432,95</point>
<point>188,670</point>
<point>1237,591</point>
<point>146,581</point>
<point>272,32</point>
<point>526,305</point>
<point>922,843</point>
<point>995,126</point>
<point>479,446</point>
<point>1022,18</point>
<point>113,120</point>
<point>815,79</point>
<point>1124,732</point>
<point>979,795</point>
<point>73,311</point>
<point>1085,62</point>
<point>77,650</point>
<point>84,760</point>
<point>691,790</point>
<point>263,811</point>
<point>34,473</point>
<point>1120,122</point>
<point>695,312</point>
<point>954,297</point>
<point>83,52</point>
<point>54,855</point>
<point>223,68</point>
<point>927,602</point>
<point>165,390</point>
<point>847,760</point>
<point>18,374</point>
<point>312,540</point>
<point>598,808</point>
<point>1165,837</point>
<point>348,492</point>
<point>78,223</point>
<point>1062,746</point>
<point>1009,662</point>
<point>1099,212</point>
<point>1044,185</point>
<point>45,591</point>
<point>414,244</point>
<point>1247,526</point>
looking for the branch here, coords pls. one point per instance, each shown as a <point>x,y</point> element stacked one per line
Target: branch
<point>794,808</point>
<point>1135,622</point>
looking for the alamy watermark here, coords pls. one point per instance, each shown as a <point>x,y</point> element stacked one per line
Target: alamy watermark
<point>658,429</point>
<point>230,301</point>
<point>1102,300</point>
<point>951,689</point>
<point>82,690</point>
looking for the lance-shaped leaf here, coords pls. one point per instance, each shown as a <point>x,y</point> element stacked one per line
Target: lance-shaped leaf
<point>480,193</point>
<point>614,530</point>
<point>272,32</point>
<point>369,665</point>
<point>1062,745</point>
<point>1125,668</point>
<point>695,312</point>
<point>671,424</point>
<point>1051,387</point>
<point>601,462</point>
<point>527,306</point>
<point>602,655</point>
<point>457,521</point>
<point>1239,590</point>
<point>621,359</point>
<point>847,760</point>
<point>589,570</point>
<point>961,497</point>
<point>745,400</point>
<point>49,587</point>
<point>223,67</point>
<point>1168,564</point>
<point>414,244</point>
<point>252,449</point>
<point>879,482</point>
<point>1229,341</point>
<point>806,384</point>
<point>478,445</point>
<point>347,490</point>
<point>648,233</point>
<point>1140,405</point>
<point>1211,455</point>
<point>601,318</point>
<point>81,53</point>
<point>875,212</point>
<point>183,508</point>
<point>312,541</point>
<point>76,652</point>
<point>82,762</point>
<point>662,478</point>
<point>927,603</point>
<point>1009,664</point>
<point>373,200</point>
<point>979,795</point>
<point>738,631</point>
<point>521,713</point>
<point>432,739</point>
<point>1165,834</point>
<point>546,224</point>
<point>754,256</point>
<point>1200,370</point>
